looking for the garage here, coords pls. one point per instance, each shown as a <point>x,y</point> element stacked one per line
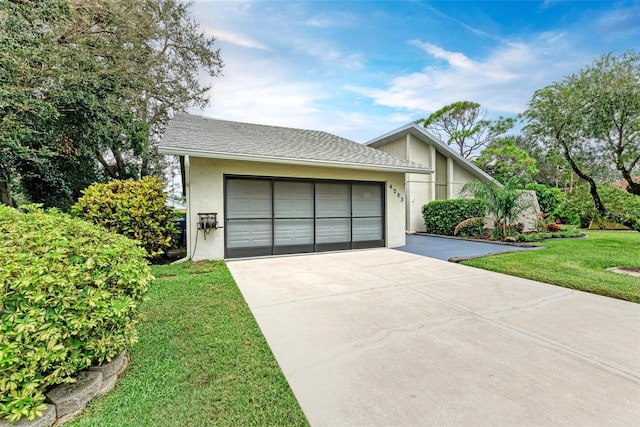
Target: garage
<point>275,216</point>
<point>273,190</point>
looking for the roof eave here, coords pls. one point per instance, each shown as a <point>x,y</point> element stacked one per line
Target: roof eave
<point>418,131</point>
<point>175,151</point>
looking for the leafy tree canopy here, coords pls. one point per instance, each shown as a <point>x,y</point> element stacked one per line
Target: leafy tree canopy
<point>505,161</point>
<point>92,84</point>
<point>465,125</point>
<point>593,119</point>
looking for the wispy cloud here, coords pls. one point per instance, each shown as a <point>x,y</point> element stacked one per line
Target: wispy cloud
<point>330,55</point>
<point>332,19</point>
<point>502,82</point>
<point>235,38</point>
<point>455,59</point>
<point>621,20</point>
<point>474,30</point>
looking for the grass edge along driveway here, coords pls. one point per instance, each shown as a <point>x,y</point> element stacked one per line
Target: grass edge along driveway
<point>201,360</point>
<point>577,263</point>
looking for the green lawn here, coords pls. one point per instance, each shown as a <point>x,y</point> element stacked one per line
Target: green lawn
<point>577,263</point>
<point>201,360</point>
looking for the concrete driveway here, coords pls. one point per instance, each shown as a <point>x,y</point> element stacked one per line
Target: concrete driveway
<point>388,338</point>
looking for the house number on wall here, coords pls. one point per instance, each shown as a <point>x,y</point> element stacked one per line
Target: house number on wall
<point>397,193</point>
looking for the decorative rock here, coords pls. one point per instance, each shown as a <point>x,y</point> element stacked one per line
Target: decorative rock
<point>125,362</point>
<point>46,420</point>
<point>72,397</point>
<point>110,369</point>
<point>108,384</point>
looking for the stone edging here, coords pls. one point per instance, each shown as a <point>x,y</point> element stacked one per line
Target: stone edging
<point>67,400</point>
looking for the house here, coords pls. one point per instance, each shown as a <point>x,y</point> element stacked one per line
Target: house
<point>255,190</point>
<point>451,171</point>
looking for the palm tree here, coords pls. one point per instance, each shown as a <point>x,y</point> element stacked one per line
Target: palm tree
<point>504,203</point>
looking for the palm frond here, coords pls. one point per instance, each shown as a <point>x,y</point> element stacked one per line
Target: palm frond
<point>467,223</point>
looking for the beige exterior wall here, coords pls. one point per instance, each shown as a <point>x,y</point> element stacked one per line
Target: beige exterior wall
<point>459,178</point>
<point>420,152</point>
<point>420,188</point>
<point>205,194</point>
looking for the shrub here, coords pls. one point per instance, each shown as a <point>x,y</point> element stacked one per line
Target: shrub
<point>69,294</point>
<point>136,209</point>
<point>442,216</point>
<point>552,227</point>
<point>536,237</point>
<point>548,197</point>
<point>578,207</point>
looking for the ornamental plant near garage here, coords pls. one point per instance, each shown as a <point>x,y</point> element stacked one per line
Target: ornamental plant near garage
<point>69,298</point>
<point>136,209</point>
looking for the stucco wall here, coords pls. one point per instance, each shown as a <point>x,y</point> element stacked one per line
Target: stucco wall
<point>459,178</point>
<point>205,194</point>
<point>420,152</point>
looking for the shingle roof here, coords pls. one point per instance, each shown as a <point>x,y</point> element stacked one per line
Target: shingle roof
<point>205,137</point>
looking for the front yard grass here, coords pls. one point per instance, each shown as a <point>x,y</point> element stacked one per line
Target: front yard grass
<point>577,263</point>
<point>201,360</point>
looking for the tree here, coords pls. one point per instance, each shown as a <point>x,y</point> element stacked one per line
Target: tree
<point>105,77</point>
<point>28,61</point>
<point>593,119</point>
<point>505,161</point>
<point>612,86</point>
<point>465,125</point>
<point>556,117</point>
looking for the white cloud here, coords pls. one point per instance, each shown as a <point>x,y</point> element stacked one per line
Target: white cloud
<point>235,38</point>
<point>503,82</point>
<point>455,59</point>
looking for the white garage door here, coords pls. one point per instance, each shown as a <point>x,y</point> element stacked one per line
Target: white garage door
<point>271,216</point>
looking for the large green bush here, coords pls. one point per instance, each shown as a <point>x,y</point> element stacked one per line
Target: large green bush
<point>442,216</point>
<point>549,198</point>
<point>69,295</point>
<point>579,209</point>
<point>136,209</point>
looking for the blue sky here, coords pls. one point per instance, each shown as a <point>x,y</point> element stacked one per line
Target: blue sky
<point>360,69</point>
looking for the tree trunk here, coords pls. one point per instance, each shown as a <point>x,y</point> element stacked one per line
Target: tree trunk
<point>632,187</point>
<point>593,189</point>
<point>596,197</point>
<point>5,190</point>
<point>5,193</point>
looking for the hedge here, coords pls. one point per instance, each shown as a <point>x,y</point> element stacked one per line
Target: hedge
<point>549,198</point>
<point>442,216</point>
<point>69,298</point>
